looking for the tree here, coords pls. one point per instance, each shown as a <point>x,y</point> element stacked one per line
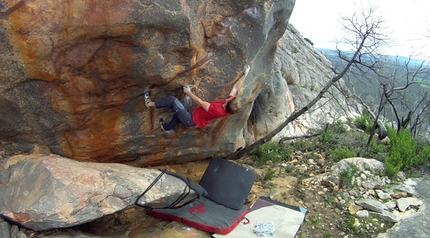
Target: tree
<point>403,94</point>
<point>364,35</point>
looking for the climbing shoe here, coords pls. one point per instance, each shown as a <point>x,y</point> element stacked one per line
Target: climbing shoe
<point>162,124</point>
<point>162,127</point>
<point>147,98</point>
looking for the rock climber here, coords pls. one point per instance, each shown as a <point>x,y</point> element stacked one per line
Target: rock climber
<point>204,113</point>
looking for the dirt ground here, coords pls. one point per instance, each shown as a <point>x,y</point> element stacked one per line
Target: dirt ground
<point>325,218</point>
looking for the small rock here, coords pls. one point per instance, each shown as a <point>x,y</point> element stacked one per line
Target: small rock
<point>353,208</point>
<point>4,228</point>
<point>357,223</point>
<point>353,193</point>
<point>401,176</point>
<point>390,205</point>
<point>294,161</point>
<point>371,204</point>
<point>382,195</point>
<point>363,213</point>
<point>302,168</point>
<point>400,195</point>
<point>404,203</point>
<point>310,162</point>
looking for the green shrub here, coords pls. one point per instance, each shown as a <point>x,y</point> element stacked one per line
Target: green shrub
<point>270,152</point>
<point>392,164</point>
<point>346,177</point>
<point>343,152</point>
<point>377,148</point>
<point>423,156</point>
<point>270,174</point>
<point>403,153</point>
<point>338,127</point>
<point>290,168</point>
<point>304,145</point>
<point>329,138</point>
<point>363,122</point>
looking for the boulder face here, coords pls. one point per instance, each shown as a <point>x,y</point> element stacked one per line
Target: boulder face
<point>298,74</point>
<point>44,192</point>
<point>73,73</point>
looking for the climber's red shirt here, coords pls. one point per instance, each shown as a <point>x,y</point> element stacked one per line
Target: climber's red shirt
<point>202,118</point>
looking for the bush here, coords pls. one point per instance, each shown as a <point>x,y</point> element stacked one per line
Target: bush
<point>423,156</point>
<point>339,127</point>
<point>270,174</point>
<point>304,145</point>
<point>341,153</point>
<point>346,177</point>
<point>270,151</point>
<point>363,122</point>
<point>328,138</point>
<point>393,163</point>
<point>403,153</point>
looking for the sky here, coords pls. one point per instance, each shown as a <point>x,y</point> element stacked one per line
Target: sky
<point>406,22</point>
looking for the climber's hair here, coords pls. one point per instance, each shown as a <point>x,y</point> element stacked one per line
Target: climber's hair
<point>232,106</point>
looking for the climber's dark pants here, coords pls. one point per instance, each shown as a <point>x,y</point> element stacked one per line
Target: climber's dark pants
<point>182,115</point>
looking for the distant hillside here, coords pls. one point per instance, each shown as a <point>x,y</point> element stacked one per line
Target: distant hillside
<point>332,56</point>
<point>368,85</point>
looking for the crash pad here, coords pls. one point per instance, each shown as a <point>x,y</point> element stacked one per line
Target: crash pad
<point>204,214</point>
<point>286,219</point>
<point>227,183</point>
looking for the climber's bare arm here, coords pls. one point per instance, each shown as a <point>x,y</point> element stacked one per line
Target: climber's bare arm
<point>239,83</point>
<point>196,99</point>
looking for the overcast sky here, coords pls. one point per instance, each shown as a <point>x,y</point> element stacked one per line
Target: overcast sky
<point>407,21</point>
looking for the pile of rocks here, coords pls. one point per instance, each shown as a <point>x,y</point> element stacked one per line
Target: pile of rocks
<point>370,192</point>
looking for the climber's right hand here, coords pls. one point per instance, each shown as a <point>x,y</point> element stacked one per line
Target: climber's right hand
<point>187,89</point>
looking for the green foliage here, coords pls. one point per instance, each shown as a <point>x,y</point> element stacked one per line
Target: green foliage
<point>328,235</point>
<point>363,122</point>
<point>348,224</point>
<point>270,174</point>
<point>423,156</point>
<point>375,150</point>
<point>403,153</point>
<point>290,168</point>
<point>271,152</point>
<point>393,163</point>
<point>343,152</point>
<point>315,221</point>
<point>304,145</point>
<point>295,50</point>
<point>338,127</point>
<point>347,177</point>
<point>329,138</point>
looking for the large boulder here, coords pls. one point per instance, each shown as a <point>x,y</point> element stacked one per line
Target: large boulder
<point>45,192</point>
<point>73,73</point>
<point>298,74</point>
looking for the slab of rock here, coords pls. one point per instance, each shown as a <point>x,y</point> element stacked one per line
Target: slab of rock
<point>44,192</point>
<point>371,204</point>
<point>382,195</point>
<point>362,164</point>
<point>387,216</point>
<point>404,203</point>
